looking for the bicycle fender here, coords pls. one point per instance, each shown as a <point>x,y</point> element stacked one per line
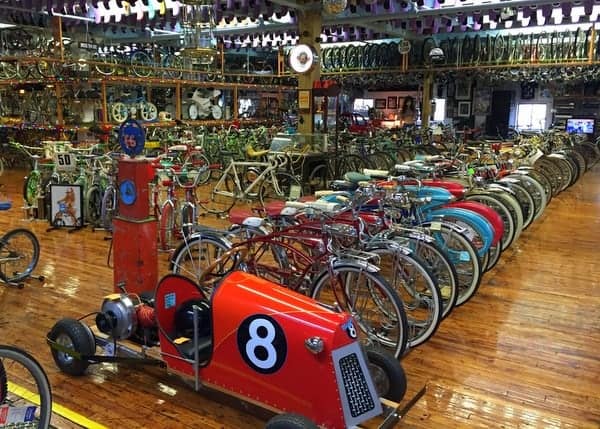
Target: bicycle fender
<point>478,222</point>
<point>339,261</point>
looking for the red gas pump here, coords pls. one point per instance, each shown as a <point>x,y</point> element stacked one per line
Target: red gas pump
<point>134,230</point>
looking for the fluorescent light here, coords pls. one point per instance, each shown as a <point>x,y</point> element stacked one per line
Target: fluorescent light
<point>3,25</point>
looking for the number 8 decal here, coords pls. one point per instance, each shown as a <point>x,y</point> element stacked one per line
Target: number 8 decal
<point>262,343</point>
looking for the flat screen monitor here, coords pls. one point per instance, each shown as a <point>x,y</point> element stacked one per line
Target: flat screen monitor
<point>580,126</point>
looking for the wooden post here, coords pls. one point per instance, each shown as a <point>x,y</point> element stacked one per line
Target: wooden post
<point>426,106</point>
<point>60,120</point>
<point>105,118</point>
<point>309,26</point>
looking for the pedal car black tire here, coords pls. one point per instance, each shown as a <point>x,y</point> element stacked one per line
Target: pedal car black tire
<point>387,374</point>
<point>73,334</point>
<point>290,421</point>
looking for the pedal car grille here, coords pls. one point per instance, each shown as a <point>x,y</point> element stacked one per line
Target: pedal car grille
<point>357,392</point>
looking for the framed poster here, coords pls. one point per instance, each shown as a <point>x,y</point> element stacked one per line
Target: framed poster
<point>304,99</point>
<point>66,206</point>
<point>462,90</point>
<point>392,103</point>
<point>380,103</point>
<point>464,109</point>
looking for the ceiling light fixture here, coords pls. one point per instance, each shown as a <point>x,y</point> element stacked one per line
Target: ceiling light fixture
<point>199,41</point>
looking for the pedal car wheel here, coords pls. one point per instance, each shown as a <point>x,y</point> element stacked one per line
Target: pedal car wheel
<point>290,421</point>
<point>387,373</point>
<point>72,334</point>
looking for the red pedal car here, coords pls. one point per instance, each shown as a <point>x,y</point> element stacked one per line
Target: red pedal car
<point>252,339</point>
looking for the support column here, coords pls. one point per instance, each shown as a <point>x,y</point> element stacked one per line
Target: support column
<point>426,106</point>
<point>309,26</point>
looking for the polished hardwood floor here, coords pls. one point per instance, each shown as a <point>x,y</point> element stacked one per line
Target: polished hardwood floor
<point>524,352</point>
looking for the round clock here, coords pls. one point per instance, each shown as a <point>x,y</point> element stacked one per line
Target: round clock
<point>132,137</point>
<point>127,192</point>
<point>302,58</point>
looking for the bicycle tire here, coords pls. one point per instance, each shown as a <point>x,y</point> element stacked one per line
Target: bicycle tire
<point>524,198</point>
<point>440,266</point>
<point>540,178</point>
<point>36,385</point>
<point>535,189</point>
<point>109,207</point>
<point>463,256</point>
<point>119,112</point>
<point>174,65</point>
<point>19,255</point>
<point>317,179</point>
<point>141,64</point>
<point>285,188</point>
<point>513,205</point>
<point>106,65</point>
<point>148,111</point>
<point>93,204</point>
<point>197,252</point>
<point>196,160</point>
<point>500,207</point>
<point>387,304</point>
<point>221,197</point>
<point>8,70</point>
<point>188,221</point>
<point>417,288</point>
<point>30,188</point>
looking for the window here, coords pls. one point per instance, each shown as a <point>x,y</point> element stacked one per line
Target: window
<point>362,105</point>
<point>439,113</point>
<point>531,116</point>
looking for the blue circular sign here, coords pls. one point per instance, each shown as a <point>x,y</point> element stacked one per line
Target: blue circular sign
<point>127,192</point>
<point>132,137</point>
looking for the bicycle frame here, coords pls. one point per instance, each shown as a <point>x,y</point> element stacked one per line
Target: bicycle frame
<point>269,169</point>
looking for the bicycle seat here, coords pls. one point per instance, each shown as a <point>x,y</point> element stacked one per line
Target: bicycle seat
<point>355,177</point>
<point>238,216</point>
<point>255,153</point>
<point>343,185</point>
<point>178,148</point>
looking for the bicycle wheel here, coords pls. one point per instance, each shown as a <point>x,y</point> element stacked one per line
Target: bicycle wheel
<point>463,256</point>
<point>19,254</point>
<point>439,265</point>
<point>200,164</point>
<point>24,388</point>
<point>500,207</point>
<point>200,251</point>
<point>220,198</point>
<point>141,64</point>
<point>109,207</point>
<point>279,187</point>
<point>30,188</point>
<point>105,64</point>
<point>148,111</point>
<point>417,288</point>
<point>375,306</point>
<point>535,189</point>
<point>93,205</point>
<point>119,112</point>
<point>317,179</point>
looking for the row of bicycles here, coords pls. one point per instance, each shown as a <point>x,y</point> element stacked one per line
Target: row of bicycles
<point>399,249</point>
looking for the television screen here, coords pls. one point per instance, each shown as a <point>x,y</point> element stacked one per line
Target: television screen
<point>580,126</point>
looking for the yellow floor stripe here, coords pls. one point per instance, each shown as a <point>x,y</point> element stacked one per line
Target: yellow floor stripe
<point>56,408</point>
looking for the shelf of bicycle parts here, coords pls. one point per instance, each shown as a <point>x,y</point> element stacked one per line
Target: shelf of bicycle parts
<point>447,67</point>
<point>149,82</point>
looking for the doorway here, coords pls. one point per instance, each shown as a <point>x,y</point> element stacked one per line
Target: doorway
<point>496,123</point>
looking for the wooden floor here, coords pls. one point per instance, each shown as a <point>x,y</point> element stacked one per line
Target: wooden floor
<point>525,352</point>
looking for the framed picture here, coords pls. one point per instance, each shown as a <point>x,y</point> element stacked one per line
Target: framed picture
<point>392,103</point>
<point>462,89</point>
<point>66,208</point>
<point>304,99</point>
<point>464,109</point>
<point>380,103</point>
